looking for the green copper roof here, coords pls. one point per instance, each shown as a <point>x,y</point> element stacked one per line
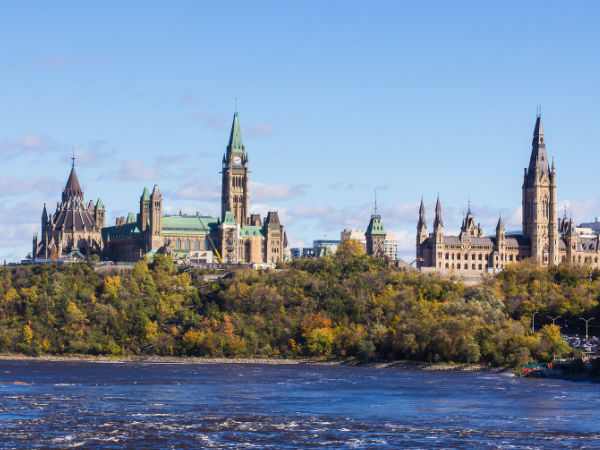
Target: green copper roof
<point>130,229</point>
<point>189,225</point>
<point>130,217</point>
<point>235,138</point>
<point>375,226</point>
<point>229,218</point>
<point>146,194</point>
<point>99,204</point>
<point>252,230</point>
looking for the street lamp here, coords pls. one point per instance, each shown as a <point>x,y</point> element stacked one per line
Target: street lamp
<point>587,321</point>
<point>533,322</point>
<point>553,319</point>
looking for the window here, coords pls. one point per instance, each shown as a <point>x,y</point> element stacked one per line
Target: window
<point>473,266</point>
<point>479,266</point>
<point>178,244</point>
<point>206,244</point>
<point>545,207</point>
<point>473,257</point>
<point>447,257</point>
<point>511,257</point>
<point>447,266</point>
<point>479,257</point>
<point>187,244</point>
<point>458,256</point>
<point>196,244</point>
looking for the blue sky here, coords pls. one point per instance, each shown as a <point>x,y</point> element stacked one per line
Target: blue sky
<point>336,99</point>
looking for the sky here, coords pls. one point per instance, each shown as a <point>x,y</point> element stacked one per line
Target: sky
<point>336,100</point>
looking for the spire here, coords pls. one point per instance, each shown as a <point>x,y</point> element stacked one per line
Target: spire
<point>72,188</point>
<point>500,226</point>
<point>539,159</point>
<point>438,214</point>
<point>44,214</point>
<point>235,137</point>
<point>421,215</point>
<point>469,209</point>
<point>145,194</point>
<point>375,210</point>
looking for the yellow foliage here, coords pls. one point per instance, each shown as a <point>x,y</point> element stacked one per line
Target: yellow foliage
<point>27,334</point>
<point>112,286</point>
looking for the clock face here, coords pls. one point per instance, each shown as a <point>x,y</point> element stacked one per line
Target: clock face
<point>237,160</point>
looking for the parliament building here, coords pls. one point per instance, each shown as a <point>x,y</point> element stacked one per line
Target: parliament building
<point>544,238</point>
<point>77,230</point>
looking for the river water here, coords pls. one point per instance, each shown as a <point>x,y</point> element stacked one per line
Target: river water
<point>59,404</point>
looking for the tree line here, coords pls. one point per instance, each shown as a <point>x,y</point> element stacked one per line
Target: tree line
<point>344,306</point>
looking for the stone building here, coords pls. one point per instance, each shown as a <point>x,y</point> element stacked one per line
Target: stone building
<point>542,239</point>
<point>236,236</point>
<point>73,231</point>
<point>375,236</point>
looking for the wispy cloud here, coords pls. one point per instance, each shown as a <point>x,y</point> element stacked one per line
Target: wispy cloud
<point>133,170</point>
<point>199,188</point>
<point>189,99</point>
<point>258,130</point>
<point>55,61</point>
<point>211,121</point>
<point>12,186</point>
<point>265,192</point>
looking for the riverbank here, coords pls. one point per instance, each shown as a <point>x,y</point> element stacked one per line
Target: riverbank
<point>404,365</point>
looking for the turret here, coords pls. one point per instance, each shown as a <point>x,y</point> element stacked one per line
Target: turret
<point>144,215</point>
<point>155,218</point>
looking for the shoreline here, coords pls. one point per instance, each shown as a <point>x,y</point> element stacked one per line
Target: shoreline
<point>402,365</point>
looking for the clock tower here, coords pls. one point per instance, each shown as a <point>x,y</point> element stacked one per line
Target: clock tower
<point>234,193</point>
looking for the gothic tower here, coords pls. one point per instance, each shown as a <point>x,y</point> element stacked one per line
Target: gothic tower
<point>234,194</point>
<point>539,202</point>
<point>438,234</point>
<point>375,235</point>
<point>155,219</point>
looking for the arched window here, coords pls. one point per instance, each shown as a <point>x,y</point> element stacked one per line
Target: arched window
<point>187,244</point>
<point>196,244</point>
<point>447,265</point>
<point>206,244</point>
<point>178,244</point>
<point>545,207</point>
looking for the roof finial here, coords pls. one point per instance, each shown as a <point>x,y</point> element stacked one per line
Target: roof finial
<point>538,110</point>
<point>565,210</point>
<point>235,99</point>
<point>73,159</point>
<point>469,208</point>
<point>375,209</point>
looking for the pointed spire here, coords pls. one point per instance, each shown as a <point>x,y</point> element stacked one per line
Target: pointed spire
<point>145,194</point>
<point>422,222</point>
<point>469,209</point>
<point>72,188</point>
<point>500,226</point>
<point>44,214</point>
<point>539,159</point>
<point>235,137</point>
<point>438,214</point>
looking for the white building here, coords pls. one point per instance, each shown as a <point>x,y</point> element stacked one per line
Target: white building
<point>391,246</point>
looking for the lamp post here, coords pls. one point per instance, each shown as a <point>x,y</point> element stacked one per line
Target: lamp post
<point>587,321</point>
<point>553,319</point>
<point>533,321</point>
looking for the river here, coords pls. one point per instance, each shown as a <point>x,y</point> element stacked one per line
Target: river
<point>59,404</point>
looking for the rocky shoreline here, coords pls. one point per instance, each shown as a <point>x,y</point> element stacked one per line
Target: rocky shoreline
<point>403,365</point>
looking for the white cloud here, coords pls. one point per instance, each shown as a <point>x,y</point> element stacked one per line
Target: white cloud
<point>211,121</point>
<point>265,192</point>
<point>133,170</point>
<point>199,188</point>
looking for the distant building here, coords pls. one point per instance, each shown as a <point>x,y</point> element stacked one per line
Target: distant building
<point>354,235</point>
<point>375,236</point>
<point>323,247</point>
<point>543,239</point>
<point>235,237</point>
<point>391,246</point>
<point>73,231</point>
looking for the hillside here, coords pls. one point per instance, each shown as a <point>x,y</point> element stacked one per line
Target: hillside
<point>345,306</point>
